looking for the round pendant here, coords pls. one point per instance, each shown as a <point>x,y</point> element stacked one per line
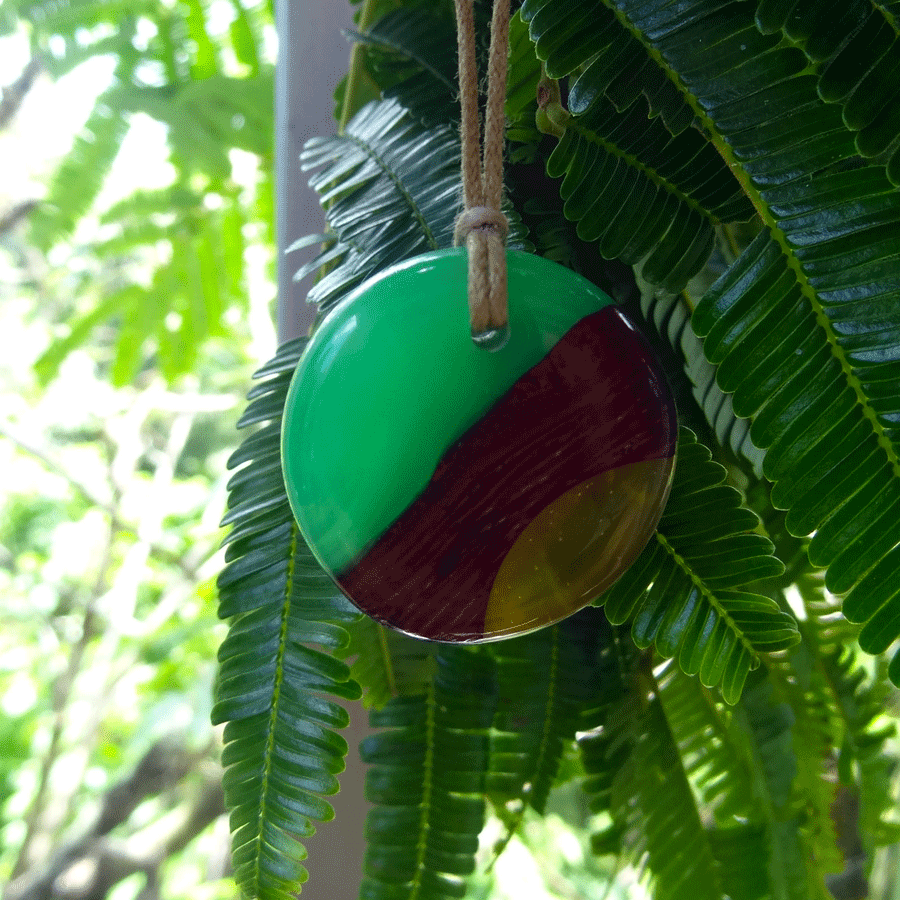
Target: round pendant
<point>461,495</point>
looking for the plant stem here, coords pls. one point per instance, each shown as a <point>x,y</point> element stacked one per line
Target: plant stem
<point>357,67</point>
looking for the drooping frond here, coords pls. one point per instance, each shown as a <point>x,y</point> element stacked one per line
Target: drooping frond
<point>186,238</point>
<point>656,819</point>
<point>407,56</point>
<point>548,686</point>
<point>79,179</point>
<point>428,779</point>
<point>857,56</point>
<point>686,590</point>
<point>793,871</point>
<point>606,746</point>
<point>642,192</point>
<point>523,77</point>
<point>638,189</point>
<point>609,62</point>
<point>80,28</point>
<point>275,688</point>
<point>714,755</point>
<point>802,328</point>
<point>671,316</point>
<point>245,32</point>
<point>186,300</point>
<point>392,189</point>
<point>840,711</point>
<point>738,851</point>
<point>387,663</point>
<point>209,117</point>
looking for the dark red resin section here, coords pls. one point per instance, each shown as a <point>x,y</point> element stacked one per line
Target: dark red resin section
<point>597,401</point>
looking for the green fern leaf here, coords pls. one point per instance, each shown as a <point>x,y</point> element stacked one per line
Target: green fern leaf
<point>855,520</point>
<point>428,779</point>
<point>83,27</point>
<point>684,592</point>
<point>738,850</point>
<point>643,193</point>
<point>78,180</point>
<point>120,302</point>
<point>548,686</point>
<point>521,104</point>
<point>670,315</point>
<point>801,327</point>
<point>857,55</point>
<point>840,709</point>
<point>641,188</point>
<point>386,663</point>
<point>204,63</point>
<point>655,811</point>
<point>793,871</point>
<point>608,61</point>
<point>714,754</point>
<point>407,57</point>
<point>274,688</point>
<point>244,33</point>
<point>392,190</point>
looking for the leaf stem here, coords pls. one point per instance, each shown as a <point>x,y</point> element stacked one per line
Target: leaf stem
<point>357,66</point>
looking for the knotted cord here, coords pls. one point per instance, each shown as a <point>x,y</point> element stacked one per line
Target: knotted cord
<point>482,227</point>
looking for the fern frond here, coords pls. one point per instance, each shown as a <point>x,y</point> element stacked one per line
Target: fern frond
<point>116,303</point>
<point>738,850</point>
<point>66,18</point>
<point>794,873</point>
<point>607,59</point>
<point>521,105</point>
<point>393,189</point>
<point>684,592</point>
<point>204,61</point>
<point>78,180</point>
<point>656,813</point>
<point>641,188</point>
<point>713,753</point>
<point>244,32</point>
<point>387,663</point>
<point>428,779</point>
<point>274,688</point>
<point>207,118</point>
<point>857,56</point>
<point>670,314</point>
<point>801,327</point>
<point>547,687</point>
<point>642,193</point>
<point>407,58</point>
<point>851,730</point>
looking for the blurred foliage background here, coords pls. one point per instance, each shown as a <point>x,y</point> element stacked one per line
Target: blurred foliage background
<point>136,295</point>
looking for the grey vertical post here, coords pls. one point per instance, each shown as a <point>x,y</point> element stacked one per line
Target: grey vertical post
<point>312,58</point>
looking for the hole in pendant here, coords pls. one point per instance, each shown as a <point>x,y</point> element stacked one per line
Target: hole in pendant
<point>493,339</point>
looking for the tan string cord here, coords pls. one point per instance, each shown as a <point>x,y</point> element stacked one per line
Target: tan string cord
<point>482,227</point>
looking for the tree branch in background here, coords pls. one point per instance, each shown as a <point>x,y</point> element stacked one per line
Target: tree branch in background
<point>87,494</point>
<point>13,95</point>
<point>10,219</point>
<point>61,697</point>
<point>92,865</point>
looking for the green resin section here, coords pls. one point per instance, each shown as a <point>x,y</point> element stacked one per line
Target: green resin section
<point>391,379</point>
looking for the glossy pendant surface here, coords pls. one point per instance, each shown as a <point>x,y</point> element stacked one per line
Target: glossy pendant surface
<point>461,495</point>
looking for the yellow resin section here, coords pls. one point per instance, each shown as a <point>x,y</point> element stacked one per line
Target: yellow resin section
<point>577,547</point>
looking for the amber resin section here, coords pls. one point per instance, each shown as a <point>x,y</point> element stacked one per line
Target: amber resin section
<point>576,547</point>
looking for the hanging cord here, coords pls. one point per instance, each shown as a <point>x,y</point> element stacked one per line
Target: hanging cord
<point>482,227</point>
